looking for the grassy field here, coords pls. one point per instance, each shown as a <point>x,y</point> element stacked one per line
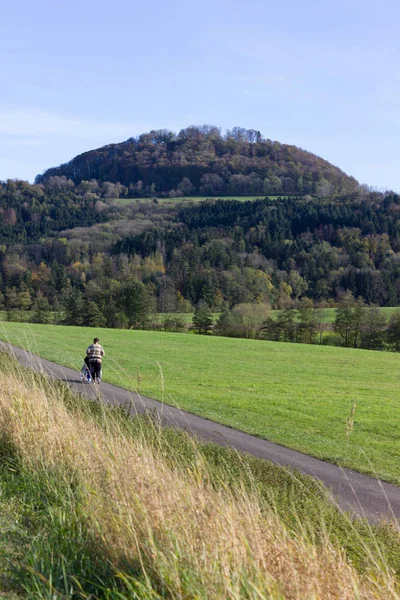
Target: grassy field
<point>330,313</point>
<point>192,199</point>
<point>298,395</point>
<point>94,504</point>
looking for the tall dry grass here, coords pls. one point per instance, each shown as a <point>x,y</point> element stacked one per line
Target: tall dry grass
<point>185,538</point>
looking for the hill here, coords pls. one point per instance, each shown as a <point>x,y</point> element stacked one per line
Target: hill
<point>205,161</point>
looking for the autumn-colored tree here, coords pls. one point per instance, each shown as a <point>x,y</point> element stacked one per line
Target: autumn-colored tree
<point>9,217</point>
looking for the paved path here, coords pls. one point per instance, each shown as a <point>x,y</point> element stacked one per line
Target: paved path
<point>360,494</point>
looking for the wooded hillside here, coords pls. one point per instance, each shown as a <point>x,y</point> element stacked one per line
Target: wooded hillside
<point>62,247</point>
<point>205,161</point>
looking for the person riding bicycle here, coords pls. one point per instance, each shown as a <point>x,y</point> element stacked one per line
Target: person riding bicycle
<point>95,353</point>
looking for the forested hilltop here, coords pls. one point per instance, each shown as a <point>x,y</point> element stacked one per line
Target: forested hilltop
<point>205,161</point>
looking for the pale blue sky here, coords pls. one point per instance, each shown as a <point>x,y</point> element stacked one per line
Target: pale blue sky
<point>324,75</point>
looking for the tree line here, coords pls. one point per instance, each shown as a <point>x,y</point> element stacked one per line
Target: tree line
<point>356,324</point>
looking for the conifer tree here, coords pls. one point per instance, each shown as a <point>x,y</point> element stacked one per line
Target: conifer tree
<point>202,319</point>
<point>393,331</point>
<point>74,308</point>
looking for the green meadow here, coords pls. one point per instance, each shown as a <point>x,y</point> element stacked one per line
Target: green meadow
<point>193,199</point>
<point>328,314</point>
<point>298,395</point>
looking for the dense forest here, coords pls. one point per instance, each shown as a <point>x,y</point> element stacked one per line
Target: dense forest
<point>206,161</point>
<point>72,248</point>
<point>279,250</point>
<point>32,212</point>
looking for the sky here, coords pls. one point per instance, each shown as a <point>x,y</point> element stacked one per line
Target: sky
<point>323,75</point>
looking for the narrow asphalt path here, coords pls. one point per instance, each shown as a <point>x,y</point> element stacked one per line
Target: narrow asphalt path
<point>362,495</point>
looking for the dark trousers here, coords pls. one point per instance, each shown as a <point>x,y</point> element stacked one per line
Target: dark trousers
<point>95,370</point>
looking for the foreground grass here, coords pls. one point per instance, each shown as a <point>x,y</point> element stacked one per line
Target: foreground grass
<point>298,395</point>
<point>115,507</point>
<point>14,541</point>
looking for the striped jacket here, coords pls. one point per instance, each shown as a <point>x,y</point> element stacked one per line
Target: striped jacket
<point>95,353</point>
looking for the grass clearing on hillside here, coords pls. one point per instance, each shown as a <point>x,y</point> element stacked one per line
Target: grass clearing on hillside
<point>118,508</point>
<point>298,395</point>
<point>124,201</point>
<point>329,314</point>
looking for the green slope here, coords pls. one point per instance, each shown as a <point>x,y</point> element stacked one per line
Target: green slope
<point>297,395</point>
